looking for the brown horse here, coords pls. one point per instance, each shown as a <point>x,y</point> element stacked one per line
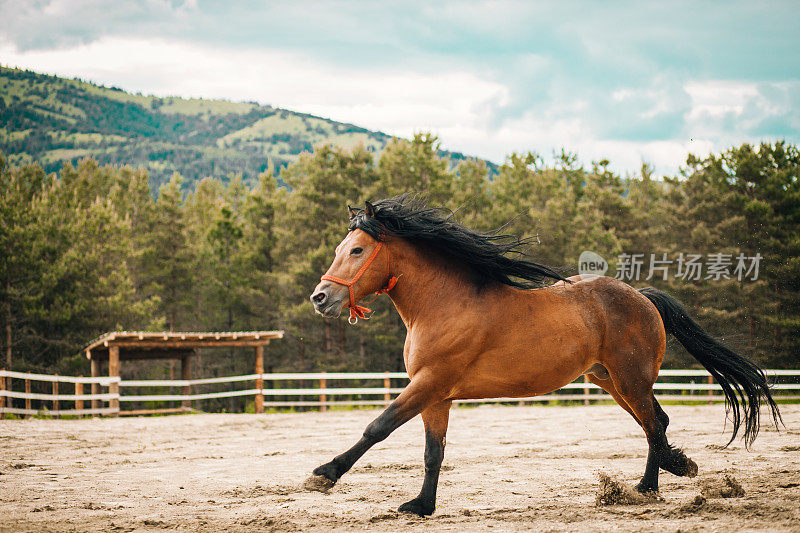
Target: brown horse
<point>478,327</point>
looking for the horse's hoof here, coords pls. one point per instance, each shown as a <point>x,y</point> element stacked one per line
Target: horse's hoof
<point>417,507</point>
<point>677,463</point>
<point>317,483</point>
<point>648,491</point>
<point>691,468</point>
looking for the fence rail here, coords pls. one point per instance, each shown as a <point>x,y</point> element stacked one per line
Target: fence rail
<point>7,394</point>
<point>699,388</point>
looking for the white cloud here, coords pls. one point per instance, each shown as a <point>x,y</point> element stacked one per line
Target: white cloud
<point>730,112</point>
<point>660,120</point>
<point>719,97</point>
<point>389,100</point>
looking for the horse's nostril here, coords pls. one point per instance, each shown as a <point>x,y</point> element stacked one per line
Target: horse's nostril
<point>319,297</point>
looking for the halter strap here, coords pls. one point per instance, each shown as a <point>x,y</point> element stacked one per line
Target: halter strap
<point>358,311</point>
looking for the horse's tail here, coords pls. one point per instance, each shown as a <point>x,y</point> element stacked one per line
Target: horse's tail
<point>743,382</point>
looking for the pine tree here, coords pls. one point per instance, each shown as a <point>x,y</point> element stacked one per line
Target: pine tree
<point>746,201</point>
<point>20,239</point>
<point>200,209</point>
<point>313,222</point>
<point>414,166</point>
<point>167,254</point>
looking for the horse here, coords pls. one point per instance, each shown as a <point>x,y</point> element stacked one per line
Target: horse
<point>482,323</point>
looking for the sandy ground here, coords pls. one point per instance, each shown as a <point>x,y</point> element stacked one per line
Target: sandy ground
<point>506,469</point>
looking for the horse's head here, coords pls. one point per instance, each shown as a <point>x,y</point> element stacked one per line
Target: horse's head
<point>361,267</point>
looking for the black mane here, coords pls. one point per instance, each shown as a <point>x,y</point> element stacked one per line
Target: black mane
<point>493,257</point>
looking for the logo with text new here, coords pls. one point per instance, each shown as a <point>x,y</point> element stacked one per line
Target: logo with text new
<point>592,263</point>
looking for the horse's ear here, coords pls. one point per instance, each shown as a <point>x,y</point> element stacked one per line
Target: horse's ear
<point>352,212</point>
<point>369,209</point>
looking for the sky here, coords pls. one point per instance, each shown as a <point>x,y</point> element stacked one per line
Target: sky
<point>632,82</point>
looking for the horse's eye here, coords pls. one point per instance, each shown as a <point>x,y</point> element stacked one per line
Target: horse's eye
<point>356,251</point>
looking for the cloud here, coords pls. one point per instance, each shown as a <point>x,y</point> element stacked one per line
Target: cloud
<point>398,102</point>
<point>606,80</point>
<point>733,109</point>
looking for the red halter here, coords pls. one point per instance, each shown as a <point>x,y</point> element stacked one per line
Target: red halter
<point>358,311</point>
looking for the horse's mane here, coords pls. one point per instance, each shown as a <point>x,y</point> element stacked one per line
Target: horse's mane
<point>491,256</point>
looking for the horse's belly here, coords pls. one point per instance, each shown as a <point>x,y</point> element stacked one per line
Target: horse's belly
<point>490,386</point>
<point>520,371</point>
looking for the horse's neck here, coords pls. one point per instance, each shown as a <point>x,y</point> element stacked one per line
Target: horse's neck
<point>426,282</point>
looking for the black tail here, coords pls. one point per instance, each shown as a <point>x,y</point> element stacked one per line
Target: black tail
<point>743,382</point>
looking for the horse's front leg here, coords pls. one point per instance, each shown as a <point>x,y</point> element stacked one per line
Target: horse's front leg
<point>418,395</point>
<point>435,419</point>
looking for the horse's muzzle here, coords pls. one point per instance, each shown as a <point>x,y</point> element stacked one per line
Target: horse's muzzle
<point>326,302</point>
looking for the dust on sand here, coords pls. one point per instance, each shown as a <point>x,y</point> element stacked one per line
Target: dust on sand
<point>727,487</point>
<point>317,483</point>
<point>615,492</point>
<point>506,467</point>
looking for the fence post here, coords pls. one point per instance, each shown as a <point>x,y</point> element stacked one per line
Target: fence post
<point>387,383</point>
<point>27,391</point>
<point>586,390</point>
<point>95,387</point>
<point>78,391</point>
<point>55,400</point>
<point>113,372</point>
<point>2,398</point>
<point>186,375</point>
<point>323,384</point>
<point>259,400</point>
<point>710,381</point>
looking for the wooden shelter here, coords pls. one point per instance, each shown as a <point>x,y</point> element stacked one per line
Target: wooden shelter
<point>119,346</point>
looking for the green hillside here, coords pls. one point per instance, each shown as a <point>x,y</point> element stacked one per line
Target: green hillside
<point>54,120</point>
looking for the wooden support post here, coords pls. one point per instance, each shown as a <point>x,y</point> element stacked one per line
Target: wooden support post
<point>259,401</point>
<point>55,401</point>
<point>2,398</point>
<point>27,391</point>
<point>710,381</point>
<point>78,391</point>
<point>387,383</point>
<point>172,365</point>
<point>586,390</point>
<point>323,384</point>
<point>186,375</point>
<point>113,372</point>
<point>95,388</point>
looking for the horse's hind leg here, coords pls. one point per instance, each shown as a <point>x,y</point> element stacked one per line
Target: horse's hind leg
<point>608,386</point>
<point>675,461</point>
<point>643,405</point>
<point>435,419</point>
<point>662,416</point>
<point>660,454</point>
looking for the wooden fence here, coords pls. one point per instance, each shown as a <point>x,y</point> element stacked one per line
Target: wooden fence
<point>8,381</point>
<point>281,390</point>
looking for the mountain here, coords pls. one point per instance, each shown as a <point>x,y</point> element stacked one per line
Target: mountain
<point>53,120</point>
